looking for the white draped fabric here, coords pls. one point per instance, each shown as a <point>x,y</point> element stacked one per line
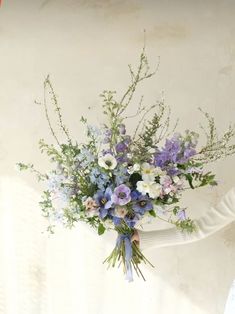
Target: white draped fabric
<point>63,273</point>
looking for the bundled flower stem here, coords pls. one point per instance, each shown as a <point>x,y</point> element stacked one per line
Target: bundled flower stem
<point>118,181</point>
<point>127,253</point>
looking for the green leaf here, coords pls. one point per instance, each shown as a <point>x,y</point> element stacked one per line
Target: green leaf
<point>190,180</point>
<point>152,213</point>
<point>101,229</point>
<point>175,210</point>
<point>134,178</point>
<point>213,183</point>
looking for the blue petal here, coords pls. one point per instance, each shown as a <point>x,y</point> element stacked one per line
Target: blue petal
<point>116,220</point>
<point>108,204</point>
<point>103,213</point>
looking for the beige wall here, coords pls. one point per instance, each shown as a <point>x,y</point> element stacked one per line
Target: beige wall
<point>85,46</point>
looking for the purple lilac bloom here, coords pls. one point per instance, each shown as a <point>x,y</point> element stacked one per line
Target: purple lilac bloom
<point>121,147</point>
<point>181,215</point>
<point>142,205</point>
<point>169,153</point>
<point>194,170</point>
<point>121,159</point>
<point>121,195</point>
<point>108,132</point>
<point>104,201</point>
<point>127,139</point>
<point>107,136</point>
<point>122,129</point>
<point>176,150</point>
<point>173,171</point>
<point>189,152</point>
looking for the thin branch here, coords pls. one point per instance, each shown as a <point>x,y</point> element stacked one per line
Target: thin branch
<point>47,114</point>
<point>57,109</point>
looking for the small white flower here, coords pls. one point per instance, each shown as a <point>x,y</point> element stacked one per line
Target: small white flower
<point>107,162</point>
<point>142,187</point>
<point>176,179</point>
<point>134,168</point>
<point>166,180</point>
<point>148,172</point>
<point>108,223</point>
<point>160,172</point>
<point>155,190</point>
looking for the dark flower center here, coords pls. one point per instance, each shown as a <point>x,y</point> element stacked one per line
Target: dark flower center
<point>103,201</point>
<point>108,163</point>
<point>143,203</point>
<point>122,195</point>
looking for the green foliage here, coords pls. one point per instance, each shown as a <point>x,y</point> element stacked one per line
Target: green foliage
<point>217,146</point>
<point>51,151</point>
<point>101,229</point>
<point>187,225</point>
<point>71,216</point>
<point>197,180</point>
<point>152,213</point>
<point>46,203</point>
<point>31,168</point>
<point>22,166</point>
<point>134,178</point>
<point>175,210</point>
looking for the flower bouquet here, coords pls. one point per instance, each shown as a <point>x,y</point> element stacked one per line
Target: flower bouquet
<point>117,181</point>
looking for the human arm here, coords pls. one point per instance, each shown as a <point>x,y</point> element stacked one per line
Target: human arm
<point>216,218</point>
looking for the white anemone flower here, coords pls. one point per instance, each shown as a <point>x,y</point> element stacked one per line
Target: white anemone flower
<point>107,162</point>
<point>134,168</point>
<point>142,187</point>
<point>155,190</point>
<point>148,172</point>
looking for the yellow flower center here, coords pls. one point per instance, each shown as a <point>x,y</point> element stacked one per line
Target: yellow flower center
<point>103,201</point>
